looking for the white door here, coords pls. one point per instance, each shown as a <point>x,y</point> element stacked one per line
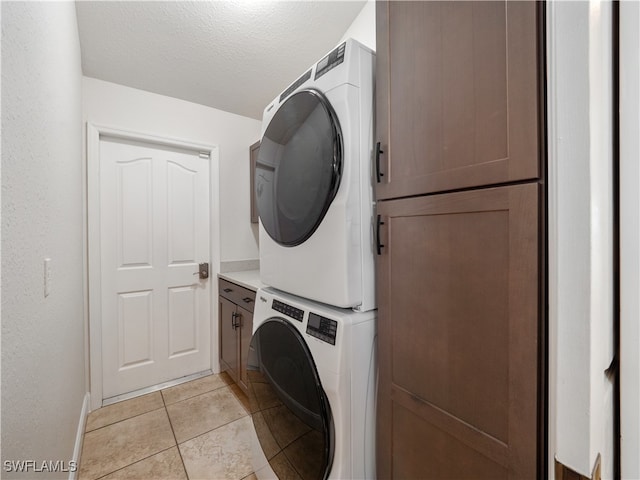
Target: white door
<point>154,231</point>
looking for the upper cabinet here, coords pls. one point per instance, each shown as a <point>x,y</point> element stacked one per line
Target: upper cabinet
<point>457,95</point>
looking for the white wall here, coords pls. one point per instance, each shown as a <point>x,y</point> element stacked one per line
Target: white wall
<point>127,108</point>
<point>43,374</point>
<point>630,237</point>
<point>363,28</point>
<point>580,235</point>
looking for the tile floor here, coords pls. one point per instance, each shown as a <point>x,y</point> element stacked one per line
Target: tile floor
<point>197,430</point>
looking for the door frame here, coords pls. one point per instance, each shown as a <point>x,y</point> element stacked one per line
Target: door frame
<point>580,205</point>
<point>629,238</point>
<point>95,133</point>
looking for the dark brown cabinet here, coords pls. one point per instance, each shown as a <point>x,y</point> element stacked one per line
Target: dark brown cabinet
<point>458,329</point>
<point>457,95</point>
<point>236,325</point>
<point>459,276</point>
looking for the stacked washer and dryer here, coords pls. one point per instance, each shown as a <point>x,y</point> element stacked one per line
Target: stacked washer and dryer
<point>311,364</point>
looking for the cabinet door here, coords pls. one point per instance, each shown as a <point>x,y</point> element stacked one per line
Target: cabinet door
<point>458,324</point>
<point>245,339</point>
<point>228,338</point>
<point>457,94</point>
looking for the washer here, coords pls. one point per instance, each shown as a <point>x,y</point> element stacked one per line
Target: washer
<point>314,184</point>
<point>311,374</point>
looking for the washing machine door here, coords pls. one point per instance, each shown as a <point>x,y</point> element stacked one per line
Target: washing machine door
<point>290,410</point>
<point>298,168</point>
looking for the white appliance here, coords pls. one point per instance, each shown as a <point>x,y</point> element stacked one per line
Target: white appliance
<point>313,183</point>
<point>311,372</point>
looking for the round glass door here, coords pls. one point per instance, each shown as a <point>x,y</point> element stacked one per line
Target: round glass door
<point>290,410</point>
<point>298,168</point>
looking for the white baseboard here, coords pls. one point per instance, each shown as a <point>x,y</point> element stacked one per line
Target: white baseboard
<point>77,449</point>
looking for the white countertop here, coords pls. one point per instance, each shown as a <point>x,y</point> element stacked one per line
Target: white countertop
<point>248,278</point>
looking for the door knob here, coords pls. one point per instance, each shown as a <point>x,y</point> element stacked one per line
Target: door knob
<point>203,271</point>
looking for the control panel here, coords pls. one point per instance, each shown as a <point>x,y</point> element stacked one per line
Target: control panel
<point>288,310</point>
<point>323,328</point>
<point>332,60</point>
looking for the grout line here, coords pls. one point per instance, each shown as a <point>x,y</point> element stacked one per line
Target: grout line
<point>244,395</point>
<point>177,444</point>
<point>198,395</point>
<point>165,407</point>
<point>133,416</point>
<point>212,430</point>
<point>137,461</point>
<point>123,420</point>
<point>175,439</point>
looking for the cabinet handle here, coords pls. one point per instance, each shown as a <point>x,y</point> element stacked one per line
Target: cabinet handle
<point>247,299</point>
<point>379,245</point>
<point>234,325</point>
<point>378,152</point>
<point>228,290</point>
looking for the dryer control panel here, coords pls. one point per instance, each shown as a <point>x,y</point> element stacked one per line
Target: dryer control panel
<point>332,60</point>
<point>323,328</point>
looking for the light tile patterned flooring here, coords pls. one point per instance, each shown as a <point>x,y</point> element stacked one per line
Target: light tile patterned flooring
<point>196,430</point>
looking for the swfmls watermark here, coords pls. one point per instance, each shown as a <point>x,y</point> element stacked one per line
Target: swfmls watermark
<point>40,466</point>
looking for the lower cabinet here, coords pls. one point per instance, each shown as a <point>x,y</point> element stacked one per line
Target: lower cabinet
<point>236,325</point>
<point>459,390</point>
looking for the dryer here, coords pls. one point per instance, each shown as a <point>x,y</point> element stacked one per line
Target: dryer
<point>314,186</point>
<point>311,382</point>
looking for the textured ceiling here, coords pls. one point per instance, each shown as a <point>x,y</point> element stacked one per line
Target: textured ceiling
<point>234,55</point>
